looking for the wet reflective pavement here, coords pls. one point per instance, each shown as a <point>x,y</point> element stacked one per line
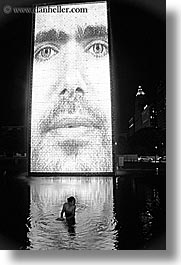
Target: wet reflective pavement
<point>112,213</point>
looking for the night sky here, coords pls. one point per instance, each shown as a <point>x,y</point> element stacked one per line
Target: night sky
<point>139,50</point>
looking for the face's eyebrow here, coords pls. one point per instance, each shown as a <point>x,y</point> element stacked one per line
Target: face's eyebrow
<point>51,36</point>
<point>91,32</point>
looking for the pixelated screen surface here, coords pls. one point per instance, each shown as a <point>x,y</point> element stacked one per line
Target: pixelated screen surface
<point>71,123</point>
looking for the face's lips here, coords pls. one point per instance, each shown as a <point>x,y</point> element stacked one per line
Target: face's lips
<point>72,121</point>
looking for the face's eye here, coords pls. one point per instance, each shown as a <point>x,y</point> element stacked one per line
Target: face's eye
<point>45,53</point>
<point>98,49</point>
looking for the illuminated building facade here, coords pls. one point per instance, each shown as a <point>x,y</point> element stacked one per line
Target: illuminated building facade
<point>149,115</point>
<point>139,106</point>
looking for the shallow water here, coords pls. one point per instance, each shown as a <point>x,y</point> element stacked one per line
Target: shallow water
<point>125,212</point>
<point>95,222</point>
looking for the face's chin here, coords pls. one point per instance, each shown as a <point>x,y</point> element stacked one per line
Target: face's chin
<point>78,149</point>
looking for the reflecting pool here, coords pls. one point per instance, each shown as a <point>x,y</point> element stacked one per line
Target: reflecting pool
<point>112,213</point>
<point>95,221</point>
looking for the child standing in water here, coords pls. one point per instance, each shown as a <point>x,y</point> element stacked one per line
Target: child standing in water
<point>69,210</point>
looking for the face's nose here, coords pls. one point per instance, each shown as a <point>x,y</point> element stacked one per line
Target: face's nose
<point>72,92</point>
<point>73,81</point>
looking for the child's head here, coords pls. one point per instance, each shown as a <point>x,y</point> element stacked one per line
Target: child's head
<point>71,200</point>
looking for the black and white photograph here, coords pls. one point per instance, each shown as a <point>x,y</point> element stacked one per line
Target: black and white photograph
<point>83,125</point>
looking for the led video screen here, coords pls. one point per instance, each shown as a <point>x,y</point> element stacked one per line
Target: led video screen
<point>71,121</point>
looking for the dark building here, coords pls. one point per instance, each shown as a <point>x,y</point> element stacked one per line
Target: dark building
<point>12,141</point>
<point>147,126</point>
<point>149,116</point>
<point>161,105</point>
<point>131,126</point>
<point>140,102</point>
<point>145,115</point>
<point>121,143</point>
<point>135,122</point>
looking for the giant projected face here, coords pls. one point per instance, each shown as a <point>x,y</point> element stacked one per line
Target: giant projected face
<point>71,98</point>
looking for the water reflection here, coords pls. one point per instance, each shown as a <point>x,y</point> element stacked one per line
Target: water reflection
<point>95,221</point>
<point>126,212</point>
<point>139,201</point>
